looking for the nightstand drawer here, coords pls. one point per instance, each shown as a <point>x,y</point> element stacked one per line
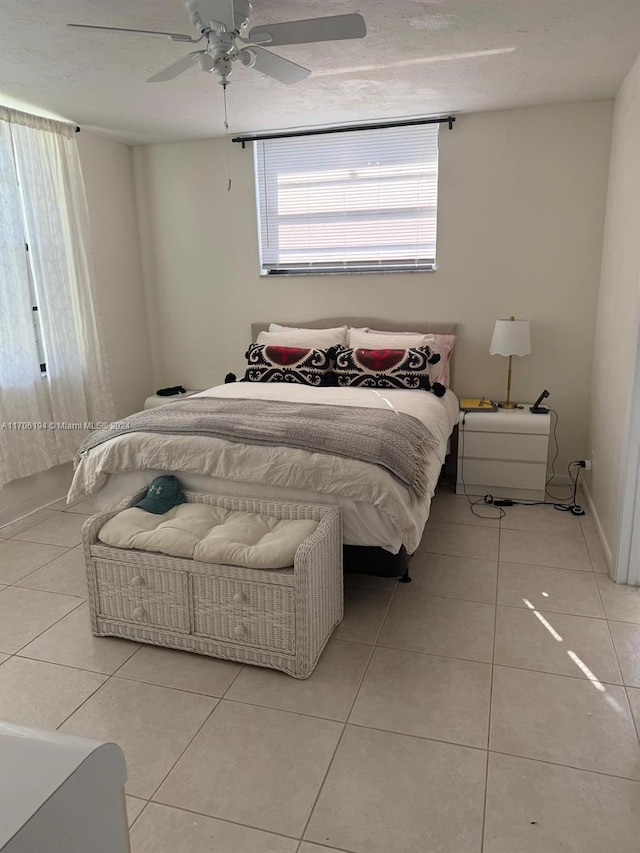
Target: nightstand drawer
<point>507,445</point>
<point>520,475</point>
<point>519,421</point>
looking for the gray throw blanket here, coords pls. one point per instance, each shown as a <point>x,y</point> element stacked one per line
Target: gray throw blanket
<point>397,442</point>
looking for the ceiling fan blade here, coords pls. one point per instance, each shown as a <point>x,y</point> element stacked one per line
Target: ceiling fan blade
<point>278,67</point>
<point>176,68</point>
<point>205,12</point>
<point>172,36</point>
<point>315,29</point>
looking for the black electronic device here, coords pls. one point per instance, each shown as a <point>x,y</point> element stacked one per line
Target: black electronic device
<point>171,392</point>
<point>537,409</point>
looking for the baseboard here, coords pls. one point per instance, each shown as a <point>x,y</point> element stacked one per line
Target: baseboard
<point>606,550</point>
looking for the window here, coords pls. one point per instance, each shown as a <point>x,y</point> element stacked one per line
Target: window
<point>355,201</point>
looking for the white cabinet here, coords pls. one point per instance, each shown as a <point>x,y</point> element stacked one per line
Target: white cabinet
<point>503,453</point>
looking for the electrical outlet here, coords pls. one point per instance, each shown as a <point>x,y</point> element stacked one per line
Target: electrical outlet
<point>587,465</point>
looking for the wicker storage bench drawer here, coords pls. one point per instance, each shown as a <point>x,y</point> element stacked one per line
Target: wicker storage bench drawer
<point>255,614</point>
<point>141,595</point>
<point>279,618</point>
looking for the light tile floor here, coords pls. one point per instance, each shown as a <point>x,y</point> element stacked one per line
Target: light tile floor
<point>488,707</point>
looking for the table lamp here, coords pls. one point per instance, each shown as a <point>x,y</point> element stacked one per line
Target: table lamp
<point>510,337</point>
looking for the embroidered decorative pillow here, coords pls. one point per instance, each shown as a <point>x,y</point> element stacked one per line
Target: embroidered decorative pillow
<point>304,365</point>
<point>373,339</point>
<point>387,368</point>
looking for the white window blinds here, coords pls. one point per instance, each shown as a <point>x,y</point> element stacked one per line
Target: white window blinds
<point>358,201</point>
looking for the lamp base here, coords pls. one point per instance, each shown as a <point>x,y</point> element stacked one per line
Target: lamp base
<point>507,405</point>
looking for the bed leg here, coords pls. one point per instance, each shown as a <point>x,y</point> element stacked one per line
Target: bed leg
<point>405,577</point>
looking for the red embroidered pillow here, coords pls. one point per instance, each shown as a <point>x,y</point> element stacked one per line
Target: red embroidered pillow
<point>302,365</point>
<point>387,368</point>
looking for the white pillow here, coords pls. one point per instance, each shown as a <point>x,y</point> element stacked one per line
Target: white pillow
<point>292,337</point>
<point>368,339</point>
<point>339,332</point>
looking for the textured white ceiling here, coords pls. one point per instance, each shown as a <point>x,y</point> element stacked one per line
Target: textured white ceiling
<point>420,57</point>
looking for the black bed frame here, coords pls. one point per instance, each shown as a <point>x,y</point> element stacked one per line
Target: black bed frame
<point>369,560</point>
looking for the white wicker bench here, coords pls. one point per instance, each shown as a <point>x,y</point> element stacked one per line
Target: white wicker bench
<point>278,618</point>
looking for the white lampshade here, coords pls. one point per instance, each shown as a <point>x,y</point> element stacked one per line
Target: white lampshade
<point>511,337</point>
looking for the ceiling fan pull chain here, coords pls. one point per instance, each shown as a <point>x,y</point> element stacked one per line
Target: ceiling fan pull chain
<point>226,140</point>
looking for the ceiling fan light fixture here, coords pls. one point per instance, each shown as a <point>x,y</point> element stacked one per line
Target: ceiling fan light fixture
<point>206,62</point>
<point>248,57</point>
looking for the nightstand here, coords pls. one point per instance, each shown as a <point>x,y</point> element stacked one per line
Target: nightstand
<point>155,400</point>
<point>503,453</point>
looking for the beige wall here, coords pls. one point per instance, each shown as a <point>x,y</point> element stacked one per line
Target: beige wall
<point>107,168</point>
<point>522,196</point>
<point>618,316</point>
<point>108,174</point>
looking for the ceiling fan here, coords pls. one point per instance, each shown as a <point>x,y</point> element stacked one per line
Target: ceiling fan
<point>224,24</point>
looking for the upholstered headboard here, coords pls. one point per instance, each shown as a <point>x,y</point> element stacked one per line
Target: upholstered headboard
<point>370,322</point>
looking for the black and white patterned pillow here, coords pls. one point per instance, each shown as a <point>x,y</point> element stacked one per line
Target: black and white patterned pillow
<point>302,365</point>
<point>387,368</point>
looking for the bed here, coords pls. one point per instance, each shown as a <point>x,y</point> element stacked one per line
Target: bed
<point>383,522</point>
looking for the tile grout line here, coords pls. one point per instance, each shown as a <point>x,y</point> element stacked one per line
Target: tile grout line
<point>138,816</point>
<point>385,616</point>
<point>346,722</point>
<point>29,526</point>
<point>81,601</point>
<point>517,607</point>
<point>556,674</point>
<point>199,729</point>
<point>13,538</point>
<point>108,678</point>
<point>54,544</point>
<point>553,612</point>
<point>588,571</point>
<point>65,551</point>
<point>567,766</point>
<point>493,657</point>
<point>215,817</point>
<point>636,723</point>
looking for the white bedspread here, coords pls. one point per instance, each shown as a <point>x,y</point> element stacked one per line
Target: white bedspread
<point>377,509</point>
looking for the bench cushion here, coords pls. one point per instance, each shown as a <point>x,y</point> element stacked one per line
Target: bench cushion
<point>210,534</point>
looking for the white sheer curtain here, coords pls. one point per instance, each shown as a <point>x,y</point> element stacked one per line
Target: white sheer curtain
<point>43,204</point>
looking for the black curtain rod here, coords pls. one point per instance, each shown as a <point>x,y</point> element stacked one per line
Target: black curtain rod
<point>346,128</point>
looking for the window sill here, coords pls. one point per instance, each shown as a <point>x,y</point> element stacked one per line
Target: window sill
<point>346,271</point>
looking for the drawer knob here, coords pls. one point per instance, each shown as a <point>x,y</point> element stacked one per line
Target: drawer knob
<point>239,598</point>
<point>137,581</point>
<point>138,613</point>
<point>239,631</point>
